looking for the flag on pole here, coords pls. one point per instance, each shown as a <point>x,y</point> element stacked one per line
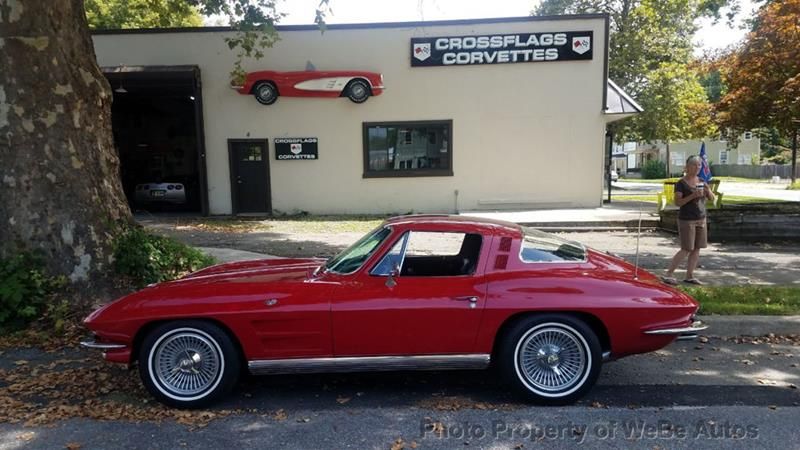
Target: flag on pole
<point>705,169</point>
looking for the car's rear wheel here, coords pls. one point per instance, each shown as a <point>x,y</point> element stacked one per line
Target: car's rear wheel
<point>550,359</point>
<point>188,364</point>
<point>358,91</point>
<point>265,92</point>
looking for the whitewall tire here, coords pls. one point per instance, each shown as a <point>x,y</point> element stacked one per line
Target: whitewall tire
<point>551,359</point>
<point>188,364</point>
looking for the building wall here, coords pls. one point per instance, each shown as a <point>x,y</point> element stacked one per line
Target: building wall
<point>680,150</point>
<point>524,135</point>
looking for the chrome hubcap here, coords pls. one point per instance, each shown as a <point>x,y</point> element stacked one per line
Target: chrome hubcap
<point>265,92</point>
<point>358,90</point>
<point>186,363</point>
<point>552,359</point>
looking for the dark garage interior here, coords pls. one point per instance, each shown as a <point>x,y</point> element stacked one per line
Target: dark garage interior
<point>157,122</point>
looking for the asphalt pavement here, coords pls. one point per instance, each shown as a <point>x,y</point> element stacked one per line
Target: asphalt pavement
<point>721,392</point>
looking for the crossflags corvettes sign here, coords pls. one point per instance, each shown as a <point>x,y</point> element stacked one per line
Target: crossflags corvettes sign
<point>501,48</point>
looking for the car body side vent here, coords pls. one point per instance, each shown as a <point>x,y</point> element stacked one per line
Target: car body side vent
<point>505,244</point>
<point>501,262</point>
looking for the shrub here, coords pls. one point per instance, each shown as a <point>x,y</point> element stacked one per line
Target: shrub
<point>149,258</point>
<point>794,187</point>
<point>654,169</point>
<point>25,290</point>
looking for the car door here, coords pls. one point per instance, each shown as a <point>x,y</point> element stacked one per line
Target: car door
<point>415,312</point>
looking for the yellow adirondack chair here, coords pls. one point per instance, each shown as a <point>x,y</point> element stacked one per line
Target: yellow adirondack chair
<point>667,196</point>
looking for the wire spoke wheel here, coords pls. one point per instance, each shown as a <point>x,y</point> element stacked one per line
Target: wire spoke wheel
<point>552,359</point>
<point>187,363</point>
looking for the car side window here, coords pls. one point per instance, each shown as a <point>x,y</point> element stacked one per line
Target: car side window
<point>538,246</point>
<point>432,254</point>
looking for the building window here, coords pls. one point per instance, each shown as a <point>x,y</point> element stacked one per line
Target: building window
<point>748,135</point>
<point>723,157</point>
<point>408,149</point>
<point>677,159</point>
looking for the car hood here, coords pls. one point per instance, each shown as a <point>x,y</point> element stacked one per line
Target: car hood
<point>261,271</point>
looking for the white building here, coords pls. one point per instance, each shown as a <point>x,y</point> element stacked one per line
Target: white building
<point>485,114</point>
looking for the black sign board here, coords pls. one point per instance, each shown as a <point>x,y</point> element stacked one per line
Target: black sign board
<point>501,48</point>
<point>295,148</point>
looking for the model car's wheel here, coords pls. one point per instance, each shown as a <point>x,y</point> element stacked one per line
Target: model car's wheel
<point>188,364</point>
<point>551,359</point>
<point>358,91</point>
<point>265,92</point>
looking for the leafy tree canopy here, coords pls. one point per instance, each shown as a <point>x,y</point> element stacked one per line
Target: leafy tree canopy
<point>650,41</point>
<point>116,14</point>
<point>763,75</point>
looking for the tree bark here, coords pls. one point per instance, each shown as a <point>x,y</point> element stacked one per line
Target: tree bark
<point>60,189</point>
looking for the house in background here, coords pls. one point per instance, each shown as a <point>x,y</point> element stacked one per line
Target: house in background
<point>717,152</point>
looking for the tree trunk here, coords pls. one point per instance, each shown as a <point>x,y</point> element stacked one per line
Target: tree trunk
<point>60,190</point>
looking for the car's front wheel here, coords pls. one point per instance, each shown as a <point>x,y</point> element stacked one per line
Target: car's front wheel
<point>357,91</point>
<point>265,92</point>
<point>188,364</point>
<point>550,359</point>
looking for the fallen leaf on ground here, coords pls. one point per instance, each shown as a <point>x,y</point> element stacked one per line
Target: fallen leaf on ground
<point>26,436</point>
<point>72,446</point>
<point>342,400</point>
<point>280,415</point>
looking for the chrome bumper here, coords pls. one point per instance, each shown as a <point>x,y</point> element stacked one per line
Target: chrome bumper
<point>101,346</point>
<point>684,333</point>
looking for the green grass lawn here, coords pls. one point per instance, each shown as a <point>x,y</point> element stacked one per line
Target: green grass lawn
<point>726,200</point>
<point>723,179</point>
<point>742,300</point>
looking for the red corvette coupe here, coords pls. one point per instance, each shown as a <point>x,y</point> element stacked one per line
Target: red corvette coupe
<point>418,292</point>
<point>267,85</point>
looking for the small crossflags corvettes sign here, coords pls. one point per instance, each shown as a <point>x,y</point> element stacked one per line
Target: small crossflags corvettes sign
<point>501,48</point>
<point>295,148</point>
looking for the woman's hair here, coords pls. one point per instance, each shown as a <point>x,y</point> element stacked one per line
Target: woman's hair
<point>692,159</point>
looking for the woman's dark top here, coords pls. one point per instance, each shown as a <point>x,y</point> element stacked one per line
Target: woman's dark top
<point>693,210</point>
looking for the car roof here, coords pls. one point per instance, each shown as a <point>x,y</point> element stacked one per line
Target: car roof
<point>452,222</point>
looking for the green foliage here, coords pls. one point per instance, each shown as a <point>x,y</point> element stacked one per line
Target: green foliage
<point>650,52</point>
<point>254,21</point>
<point>24,290</point>
<point>654,169</point>
<point>736,300</point>
<point>675,106</point>
<point>116,14</point>
<point>149,258</point>
<point>763,74</point>
<point>794,187</point>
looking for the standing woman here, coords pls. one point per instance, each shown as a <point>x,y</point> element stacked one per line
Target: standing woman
<point>690,195</point>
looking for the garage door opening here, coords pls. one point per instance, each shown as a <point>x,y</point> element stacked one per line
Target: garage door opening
<point>158,131</point>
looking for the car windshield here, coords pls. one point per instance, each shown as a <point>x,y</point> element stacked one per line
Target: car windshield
<point>538,246</point>
<point>351,259</point>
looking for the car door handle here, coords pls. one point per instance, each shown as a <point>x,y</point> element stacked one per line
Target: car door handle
<point>467,298</point>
